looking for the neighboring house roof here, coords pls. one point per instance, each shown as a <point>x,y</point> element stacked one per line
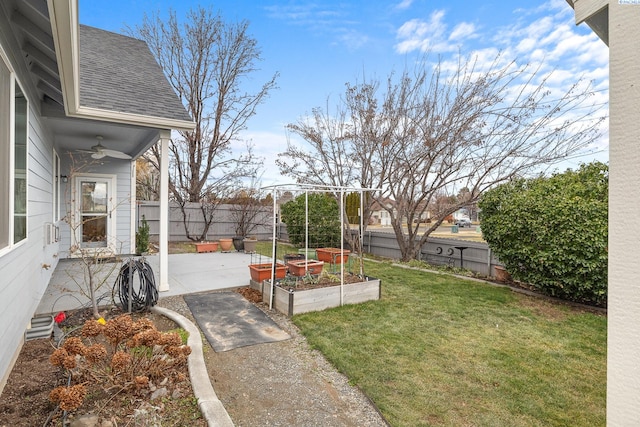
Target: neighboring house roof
<point>119,73</point>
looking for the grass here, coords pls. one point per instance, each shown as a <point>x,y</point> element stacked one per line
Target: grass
<point>265,248</point>
<point>438,350</point>
<point>182,248</point>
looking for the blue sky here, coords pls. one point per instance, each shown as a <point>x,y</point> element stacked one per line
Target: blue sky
<point>317,47</point>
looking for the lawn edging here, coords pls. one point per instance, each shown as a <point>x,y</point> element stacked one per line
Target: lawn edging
<point>212,409</point>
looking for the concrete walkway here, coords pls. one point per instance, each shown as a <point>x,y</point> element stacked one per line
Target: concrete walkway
<point>188,273</point>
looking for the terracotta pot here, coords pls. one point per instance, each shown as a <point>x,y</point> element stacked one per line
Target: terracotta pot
<point>206,247</point>
<point>226,245</point>
<point>300,268</point>
<point>260,272</point>
<point>502,274</point>
<point>250,245</point>
<point>333,255</point>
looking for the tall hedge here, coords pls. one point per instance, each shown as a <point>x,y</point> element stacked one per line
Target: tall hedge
<point>324,220</point>
<point>551,232</point>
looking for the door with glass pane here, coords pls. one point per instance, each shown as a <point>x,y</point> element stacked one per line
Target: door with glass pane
<point>96,215</point>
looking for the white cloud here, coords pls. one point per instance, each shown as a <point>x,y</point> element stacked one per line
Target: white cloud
<point>353,39</point>
<point>431,36</point>
<point>267,145</point>
<point>462,31</point>
<point>404,4</point>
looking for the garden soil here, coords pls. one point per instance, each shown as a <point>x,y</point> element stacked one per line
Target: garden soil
<point>274,384</point>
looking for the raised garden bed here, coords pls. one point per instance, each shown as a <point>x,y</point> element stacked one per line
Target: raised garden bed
<point>321,297</point>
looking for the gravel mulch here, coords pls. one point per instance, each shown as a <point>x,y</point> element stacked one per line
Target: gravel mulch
<point>284,383</point>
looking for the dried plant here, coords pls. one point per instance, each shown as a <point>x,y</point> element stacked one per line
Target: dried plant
<point>124,354</point>
<point>69,398</point>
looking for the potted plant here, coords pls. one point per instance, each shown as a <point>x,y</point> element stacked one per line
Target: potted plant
<point>142,237</point>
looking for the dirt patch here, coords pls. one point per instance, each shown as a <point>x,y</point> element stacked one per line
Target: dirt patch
<point>321,281</point>
<point>25,398</point>
<point>251,295</point>
<point>282,383</point>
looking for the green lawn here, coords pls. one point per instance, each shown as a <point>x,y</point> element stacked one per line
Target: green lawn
<point>438,350</point>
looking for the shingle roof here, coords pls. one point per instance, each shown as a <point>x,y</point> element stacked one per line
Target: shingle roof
<point>119,73</point>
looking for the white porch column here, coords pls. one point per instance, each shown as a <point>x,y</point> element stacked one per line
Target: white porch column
<point>163,274</point>
<point>623,349</point>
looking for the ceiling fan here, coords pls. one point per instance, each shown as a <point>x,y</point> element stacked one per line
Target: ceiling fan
<point>99,151</point>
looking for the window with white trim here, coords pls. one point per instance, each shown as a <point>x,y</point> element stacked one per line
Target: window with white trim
<point>5,152</point>
<point>20,165</point>
<point>55,183</point>
<point>13,158</point>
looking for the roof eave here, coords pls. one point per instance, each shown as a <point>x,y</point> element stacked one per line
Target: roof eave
<point>133,119</point>
<point>64,26</point>
<point>595,13</point>
<point>63,15</point>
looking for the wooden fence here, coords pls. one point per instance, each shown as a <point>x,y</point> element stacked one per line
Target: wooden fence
<point>223,224</point>
<point>475,256</point>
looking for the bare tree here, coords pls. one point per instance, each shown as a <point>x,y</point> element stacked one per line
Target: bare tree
<point>433,133</point>
<point>249,210</point>
<point>336,156</point>
<point>206,61</point>
<point>147,180</point>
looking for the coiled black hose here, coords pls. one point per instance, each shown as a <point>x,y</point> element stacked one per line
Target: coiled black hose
<point>146,295</point>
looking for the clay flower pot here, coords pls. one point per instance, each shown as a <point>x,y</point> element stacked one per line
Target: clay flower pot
<point>250,245</point>
<point>206,247</point>
<point>502,275</point>
<point>332,255</point>
<point>226,245</point>
<point>261,272</point>
<point>301,267</point>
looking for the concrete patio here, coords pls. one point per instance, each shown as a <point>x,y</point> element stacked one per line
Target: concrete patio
<point>188,273</point>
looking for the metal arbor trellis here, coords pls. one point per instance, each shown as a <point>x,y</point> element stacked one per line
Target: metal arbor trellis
<point>307,188</point>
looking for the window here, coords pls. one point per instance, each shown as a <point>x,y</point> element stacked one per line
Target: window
<point>55,184</point>
<point>13,158</point>
<point>20,166</point>
<point>5,151</point>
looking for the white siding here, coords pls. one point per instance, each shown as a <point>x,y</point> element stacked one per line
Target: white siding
<point>26,269</point>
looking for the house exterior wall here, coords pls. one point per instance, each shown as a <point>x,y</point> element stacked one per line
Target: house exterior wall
<point>26,269</point>
<point>623,349</point>
<point>72,166</point>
